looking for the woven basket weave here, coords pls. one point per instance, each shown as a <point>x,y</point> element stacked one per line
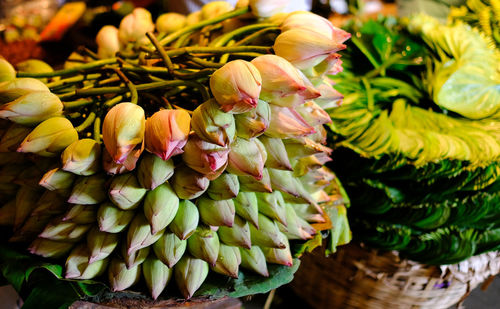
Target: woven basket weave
<point>356,277</point>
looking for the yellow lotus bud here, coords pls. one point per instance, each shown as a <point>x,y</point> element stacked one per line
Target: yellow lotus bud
<point>7,71</point>
<point>107,41</point>
<point>266,8</point>
<point>215,8</point>
<point>134,26</point>
<point>15,88</point>
<point>213,125</point>
<point>170,22</point>
<point>32,108</point>
<point>205,158</point>
<point>82,157</point>
<point>247,157</point>
<point>78,267</point>
<point>193,18</point>
<point>120,277</point>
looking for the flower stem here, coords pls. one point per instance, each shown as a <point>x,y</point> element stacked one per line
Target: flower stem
<point>213,50</point>
<point>163,54</point>
<point>256,35</point>
<point>71,80</point>
<point>78,103</point>
<point>87,123</point>
<point>131,87</point>
<point>224,39</point>
<point>205,63</point>
<point>78,69</point>
<point>97,129</point>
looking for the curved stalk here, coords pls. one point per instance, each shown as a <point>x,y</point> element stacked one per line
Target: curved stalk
<point>256,35</point>
<point>78,103</point>
<point>87,123</point>
<point>224,39</point>
<point>73,70</point>
<point>97,129</point>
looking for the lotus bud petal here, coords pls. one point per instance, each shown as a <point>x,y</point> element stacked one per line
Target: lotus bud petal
<point>7,71</point>
<point>273,206</point>
<point>253,259</point>
<point>205,158</point>
<point>32,108</point>
<point>189,274</point>
<point>18,87</point>
<point>287,123</point>
<point>228,261</point>
<point>188,184</point>
<point>263,8</point>
<point>253,123</point>
<point>134,26</point>
<point>216,213</point>
<point>303,147</point>
<point>169,248</point>
<point>204,244</point>
<point>112,219</point>
<point>156,274</point>
<point>215,8</point>
<point>135,258</point>
<point>193,18</point>
<point>279,256</point>
<point>308,213</point>
<point>34,66</point>
<point>331,65</point>
<point>303,165</point>
<point>160,207</point>
<point>88,190</point>
<point>317,179</point>
<point>236,86</point>
<point>330,98</point>
<point>64,230</point>
<point>125,191</point>
<point>267,233</point>
<point>226,186</point>
<point>296,228</point>
<point>139,234</point>
<point>186,220</point>
<point>123,131</point>
<point>170,22</point>
<point>250,184</point>
<point>312,22</point>
<point>108,43</point>
<point>57,180</point>
<point>26,201</point>
<point>247,158</point>
<point>277,156</point>
<point>13,137</point>
<point>237,235</point>
<point>78,267</point>
<point>81,214</point>
<point>50,137</point>
<point>121,278</point>
<point>100,244</point>
<point>213,125</point>
<point>286,183</point>
<point>246,206</point>
<point>82,157</point>
<point>154,171</point>
<point>113,168</point>
<point>313,114</point>
<point>49,248</point>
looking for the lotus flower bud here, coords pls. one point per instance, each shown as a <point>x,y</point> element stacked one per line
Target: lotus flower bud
<point>156,274</point>
<point>312,22</point>
<point>247,157</point>
<point>169,248</point>
<point>212,124</point>
<point>57,180</point>
<point>7,71</point>
<point>237,235</point>
<point>188,184</point>
<point>317,179</point>
<point>303,165</point>
<point>112,219</point>
<point>18,87</point>
<point>82,157</point>
<point>100,244</point>
<point>193,18</point>
<point>167,132</point>
<point>80,214</point>
<point>228,261</point>
<point>215,8</point>
<point>78,267</point>
<point>135,258</point>
<point>13,137</point>
<point>287,123</point>
<point>330,98</point>
<point>25,203</point>
<point>108,43</point>
<point>308,212</point>
<point>34,66</point>
<point>303,147</point>
<point>277,156</point>
<point>49,248</point>
<point>204,244</point>
<point>331,65</point>
<point>247,207</point>
<point>139,234</point>
<point>216,213</point>
<point>154,171</point>
<point>65,231</point>
<point>186,220</point>
<point>160,207</point>
<point>279,256</point>
<point>205,158</point>
<point>50,137</point>
<point>123,131</point>
<point>285,182</point>
<point>170,22</point>
<point>226,186</point>
<point>265,8</point>
<point>125,191</point>
<point>250,184</point>
<point>120,278</point>
<point>253,123</point>
<point>296,228</point>
<point>236,86</point>
<point>273,206</point>
<point>88,190</point>
<point>313,114</point>
<point>253,259</point>
<point>134,26</point>
<point>113,168</point>
<point>189,274</point>
<point>267,235</point>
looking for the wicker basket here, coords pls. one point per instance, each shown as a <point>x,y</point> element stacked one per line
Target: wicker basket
<point>356,277</point>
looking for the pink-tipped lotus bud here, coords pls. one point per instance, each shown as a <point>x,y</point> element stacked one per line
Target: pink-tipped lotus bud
<point>205,158</point>
<point>78,267</point>
<point>303,147</point>
<point>189,274</point>
<point>216,213</point>
<point>169,248</point>
<point>213,125</point>
<point>250,184</point>
<point>125,191</point>
<point>156,274</point>
<point>82,157</point>
<point>253,259</point>
<point>215,8</point>
<point>32,108</point>
<point>139,234</point>
<point>228,261</point>
<point>153,171</point>
<point>188,184</point>
<point>123,131</point>
<point>64,230</point>
<point>331,65</point>
<point>296,228</point>
<point>266,8</point>
<point>186,220</point>
<point>253,123</point>
<point>49,248</point>
<point>236,86</point>
<point>7,71</point>
<point>100,244</point>
<point>13,89</point>
<point>112,219</point>
<point>287,123</point>
<point>312,22</point>
<point>160,207</point>
<point>273,206</point>
<point>247,207</point>
<point>236,235</point>
<point>88,190</point>
<point>277,156</point>
<point>204,244</point>
<point>113,168</point>
<point>134,26</point>
<point>226,186</point>
<point>108,43</point>
<point>120,277</point>
<point>279,256</point>
<point>57,180</point>
<point>167,132</point>
<point>247,158</point>
<point>267,235</point>
<point>330,98</point>
<point>313,114</point>
<point>170,22</point>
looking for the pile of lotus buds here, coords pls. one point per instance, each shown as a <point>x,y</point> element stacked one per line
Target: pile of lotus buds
<point>199,147</point>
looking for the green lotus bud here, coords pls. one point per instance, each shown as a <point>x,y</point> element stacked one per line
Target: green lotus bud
<point>49,248</point>
<point>188,184</point>
<point>88,190</point>
<point>193,18</point>
<point>228,261</point>
<point>277,156</point>
<point>186,220</point>
<point>253,123</point>
<point>317,179</point>
<point>216,213</point>
<point>303,147</point>
<point>65,231</point>
<point>156,274</point>
<point>153,171</point>
<point>253,259</point>
<point>160,207</point>
<point>250,184</point>
<point>189,274</point>
<point>247,158</point>
<point>78,267</point>
<point>139,234</point>
<point>204,244</point>
<point>57,180</point>
<point>8,213</point>
<point>82,157</point>
<point>34,66</point>
<point>13,137</point>
<point>112,219</point>
<point>125,191</point>
<point>303,165</point>
<point>135,258</point>
<point>279,256</point>
<point>297,228</point>
<point>213,125</point>
<point>169,248</point>
<point>313,114</point>
<point>26,201</point>
<point>273,206</point>
<point>267,235</point>
<point>206,158</point>
<point>50,137</point>
<point>215,8</point>
<point>237,235</point>
<point>7,71</point>
<point>246,206</point>
<point>15,88</point>
<point>81,214</point>
<point>285,182</point>
<point>100,244</point>
<point>226,186</point>
<point>170,22</point>
<point>121,278</point>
